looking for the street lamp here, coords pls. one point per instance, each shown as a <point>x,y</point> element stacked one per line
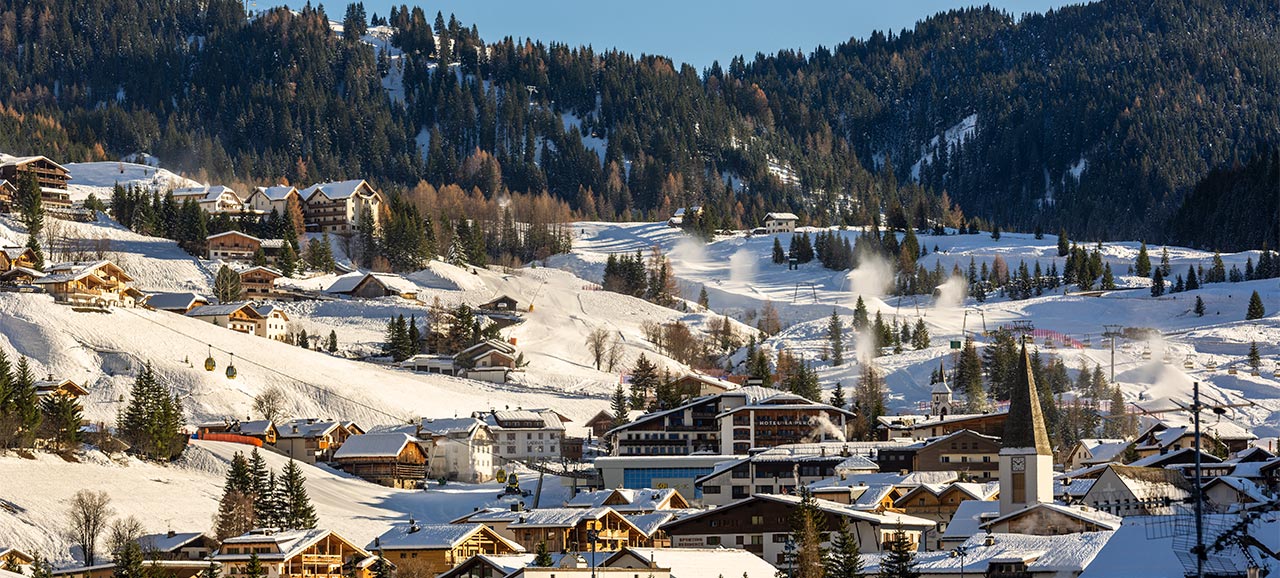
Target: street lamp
<point>960,552</point>
<point>593,536</point>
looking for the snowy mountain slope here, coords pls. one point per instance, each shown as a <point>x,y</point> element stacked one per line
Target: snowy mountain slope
<point>189,490</point>
<point>99,177</point>
<point>740,277</point>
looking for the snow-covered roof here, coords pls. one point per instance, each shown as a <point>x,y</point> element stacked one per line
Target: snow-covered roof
<point>559,517</point>
<point>1159,460</point>
<point>783,400</point>
<point>289,543</point>
<point>10,160</point>
<point>638,500</point>
<point>167,542</point>
<point>517,418</point>
<point>206,194</point>
<point>263,269</point>
<point>909,479</point>
<point>413,536</point>
<point>1083,513</point>
<point>169,301</point>
<point>451,425</point>
<point>15,253</point>
<point>505,564</point>
<point>1246,488</point>
<point>335,190</point>
<point>781,217</point>
<point>278,192</point>
<point>64,272</point>
<point>887,519</point>
<point>968,519</point>
<point>650,522</point>
<point>1063,555</point>
<point>222,309</point>
<point>348,283</point>
<point>257,427</point>
<point>700,562</point>
<point>307,427</point>
<point>378,445</point>
<point>1072,487</point>
<point>24,271</point>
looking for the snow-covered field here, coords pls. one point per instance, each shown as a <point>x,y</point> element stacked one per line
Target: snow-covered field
<point>99,177</point>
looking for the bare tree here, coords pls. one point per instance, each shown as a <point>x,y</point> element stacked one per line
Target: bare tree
<point>123,531</point>
<point>86,519</point>
<point>598,344</point>
<point>614,356</point>
<point>269,404</point>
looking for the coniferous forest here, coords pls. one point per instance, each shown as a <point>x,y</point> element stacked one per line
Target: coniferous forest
<point>1101,119</point>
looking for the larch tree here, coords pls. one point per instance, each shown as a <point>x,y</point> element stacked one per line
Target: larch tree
<point>226,285</point>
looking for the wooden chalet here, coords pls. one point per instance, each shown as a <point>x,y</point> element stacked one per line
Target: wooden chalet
<point>61,387</point>
<point>337,207</point>
<point>259,282</point>
<point>314,440</point>
<point>315,553</point>
<point>178,546</point>
<point>628,501</point>
<point>261,429</point>
<point>12,257</point>
<point>697,385</point>
<point>938,502</point>
<point>489,360</point>
<point>394,460</point>
<point>502,304</point>
<point>50,176</point>
<point>565,529</point>
<point>166,568</point>
<point>373,286</point>
<point>8,193</point>
<point>99,285</point>
<point>241,317</point>
<point>15,558</point>
<point>237,246</point>
<point>436,548</point>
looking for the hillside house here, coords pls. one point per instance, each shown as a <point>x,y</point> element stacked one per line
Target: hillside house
<point>683,430</point>
<point>436,548</point>
<point>50,176</point>
<point>338,207</point>
<point>315,553</point>
<point>61,387</point>
<point>761,524</point>
<point>178,546</point>
<point>213,199</point>
<point>780,223</point>
<point>13,257</point>
<point>939,502</point>
<point>490,360</point>
<point>20,277</point>
<point>1231,494</point>
<point>460,449</point>
<point>602,422</point>
<point>565,529</point>
<point>1163,438</point>
<point>971,453</point>
<point>240,317</point>
<point>8,192</point>
<point>525,434</point>
<point>100,284</point>
<point>314,440</point>
<point>394,460</point>
<point>15,558</point>
<point>274,324</point>
<point>501,304</point>
<point>259,282</point>
<point>373,286</point>
<point>431,363</point>
<point>1052,519</point>
<point>180,303</point>
<point>266,199</point>
<point>1089,452</point>
<point>692,385</point>
<point>924,427</point>
<point>241,247</point>
<point>261,429</point>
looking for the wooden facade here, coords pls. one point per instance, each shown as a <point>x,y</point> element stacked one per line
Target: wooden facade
<point>100,285</point>
<point>259,282</point>
<point>967,452</point>
<point>294,554</point>
<point>50,176</point>
<point>13,257</point>
<point>442,547</point>
<point>568,532</point>
<point>403,467</point>
<point>237,246</point>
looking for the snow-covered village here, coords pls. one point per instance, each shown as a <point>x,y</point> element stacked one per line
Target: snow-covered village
<point>401,303</point>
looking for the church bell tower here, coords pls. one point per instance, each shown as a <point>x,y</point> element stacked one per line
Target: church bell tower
<point>1026,458</point>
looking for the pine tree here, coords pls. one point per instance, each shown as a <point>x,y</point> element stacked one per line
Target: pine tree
<point>835,338</point>
<point>152,421</point>
<point>62,417</point>
<point>541,557</point>
<point>296,506</point>
<point>128,562</point>
<point>1199,308</point>
<point>969,377</point>
<point>838,397</point>
<point>900,560</point>
<point>1193,282</point>
<point>1157,283</point>
<point>332,344</point>
<point>254,568</point>
<point>807,526</point>
<point>860,318</point>
<point>1255,360</point>
<point>620,406</point>
<point>210,571</point>
<point>1114,426</point>
<point>1064,245</point>
<point>844,561</point>
<point>920,336</point>
<point>1165,267</point>
<point>779,255</point>
<point>288,261</point>
<point>1142,266</point>
<point>1256,310</point>
<point>226,285</point>
<point>23,406</point>
<point>644,381</point>
<point>703,301</point>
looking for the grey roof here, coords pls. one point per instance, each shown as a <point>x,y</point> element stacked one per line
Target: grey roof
<point>1024,428</point>
<point>219,310</point>
<point>379,445</point>
<point>334,190</point>
<point>450,426</point>
<point>258,427</point>
<point>166,542</point>
<point>278,192</point>
<point>168,301</point>
<point>431,537</point>
<point>306,427</point>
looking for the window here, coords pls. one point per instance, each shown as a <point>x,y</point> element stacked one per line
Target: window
<point>739,492</point>
<point>713,540</point>
<point>757,520</point>
<point>757,540</point>
<point>780,538</point>
<point>764,489</point>
<point>711,489</point>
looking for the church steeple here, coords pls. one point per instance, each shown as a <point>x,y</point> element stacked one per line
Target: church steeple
<point>941,395</point>
<point>1024,428</point>
<point>1026,458</point>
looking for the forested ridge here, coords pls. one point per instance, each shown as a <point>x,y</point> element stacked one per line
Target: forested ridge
<point>1098,119</point>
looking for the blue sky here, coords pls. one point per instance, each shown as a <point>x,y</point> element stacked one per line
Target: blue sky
<point>694,31</point>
